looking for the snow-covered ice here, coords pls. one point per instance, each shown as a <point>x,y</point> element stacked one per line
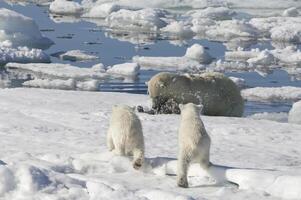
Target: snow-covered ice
<point>20,30</point>
<point>53,147</point>
<point>126,69</point>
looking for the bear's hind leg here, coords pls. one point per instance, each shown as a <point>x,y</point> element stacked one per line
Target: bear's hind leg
<point>138,157</point>
<point>183,165</point>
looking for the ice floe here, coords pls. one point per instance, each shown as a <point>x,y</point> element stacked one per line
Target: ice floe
<point>77,55</point>
<point>194,59</point>
<point>214,13</point>
<point>67,71</point>
<point>21,30</point>
<point>278,117</point>
<point>57,150</point>
<point>22,55</point>
<point>272,94</point>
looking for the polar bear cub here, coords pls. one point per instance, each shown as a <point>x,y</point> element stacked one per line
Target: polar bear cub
<point>125,134</point>
<point>194,142</point>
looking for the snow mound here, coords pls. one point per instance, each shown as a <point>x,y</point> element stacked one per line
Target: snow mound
<point>65,7</point>
<point>140,20</point>
<point>194,59</point>
<point>272,94</point>
<point>21,30</point>
<point>294,114</point>
<point>126,69</point>
<point>77,55</point>
<point>22,55</point>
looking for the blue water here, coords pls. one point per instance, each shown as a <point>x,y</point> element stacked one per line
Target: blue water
<point>88,37</point>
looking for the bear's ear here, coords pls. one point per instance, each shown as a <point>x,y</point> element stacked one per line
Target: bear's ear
<point>181,106</point>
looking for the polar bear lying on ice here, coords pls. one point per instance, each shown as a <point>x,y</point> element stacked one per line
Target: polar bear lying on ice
<point>219,94</point>
<point>194,142</point>
<point>125,134</point>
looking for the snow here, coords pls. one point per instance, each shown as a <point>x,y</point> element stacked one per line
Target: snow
<point>140,20</point>
<point>22,55</point>
<point>65,7</point>
<point>294,114</point>
<point>126,69</point>
<point>20,30</point>
<point>77,55</point>
<point>273,94</point>
<point>193,60</point>
<point>54,148</point>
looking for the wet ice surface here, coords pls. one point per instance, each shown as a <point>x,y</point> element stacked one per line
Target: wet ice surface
<point>116,47</point>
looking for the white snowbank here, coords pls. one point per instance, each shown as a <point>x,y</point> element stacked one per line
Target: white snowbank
<point>22,55</point>
<point>273,94</point>
<point>140,20</point>
<point>193,60</point>
<point>290,12</point>
<point>21,30</point>
<point>295,113</point>
<point>126,69</point>
<point>65,7</point>
<point>54,146</point>
<point>77,55</point>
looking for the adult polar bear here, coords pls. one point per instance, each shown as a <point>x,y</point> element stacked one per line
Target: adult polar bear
<point>194,142</point>
<point>125,134</point>
<point>219,94</point>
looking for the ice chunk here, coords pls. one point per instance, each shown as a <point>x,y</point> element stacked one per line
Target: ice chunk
<point>51,84</point>
<point>141,20</point>
<point>178,30</point>
<point>197,52</point>
<point>65,7</point>
<point>240,82</point>
<point>295,113</point>
<point>77,55</point>
<point>126,69</point>
<point>21,30</point>
<point>278,117</point>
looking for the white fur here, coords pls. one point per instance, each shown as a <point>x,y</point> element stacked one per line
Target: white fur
<point>194,142</point>
<point>125,134</point>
